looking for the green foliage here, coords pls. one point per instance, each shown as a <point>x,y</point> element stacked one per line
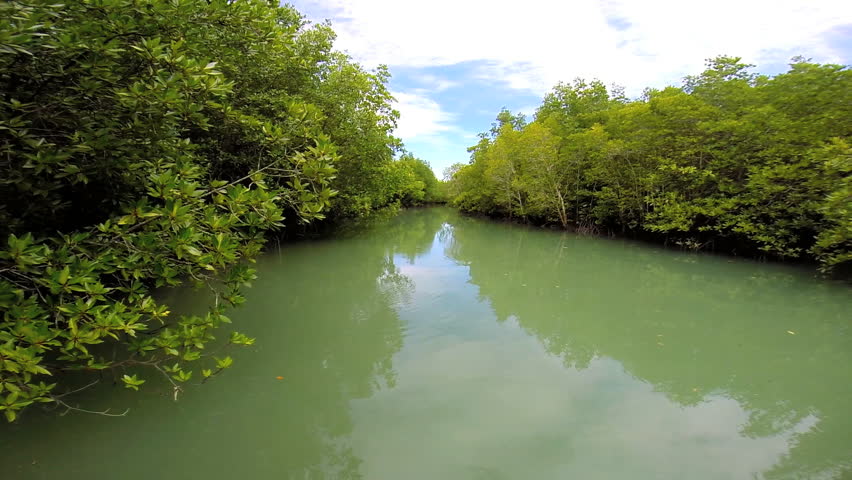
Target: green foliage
<point>154,144</point>
<point>425,188</point>
<point>360,120</point>
<point>745,162</point>
<point>408,182</point>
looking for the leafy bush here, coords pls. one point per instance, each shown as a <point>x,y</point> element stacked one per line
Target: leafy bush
<point>153,143</point>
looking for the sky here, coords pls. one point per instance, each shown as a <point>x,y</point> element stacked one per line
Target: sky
<point>456,63</point>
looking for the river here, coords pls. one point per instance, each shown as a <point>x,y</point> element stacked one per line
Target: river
<point>436,346</point>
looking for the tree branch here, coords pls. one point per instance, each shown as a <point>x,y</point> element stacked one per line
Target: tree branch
<point>76,409</point>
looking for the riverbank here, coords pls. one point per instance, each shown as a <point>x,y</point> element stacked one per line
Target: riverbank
<point>683,243</point>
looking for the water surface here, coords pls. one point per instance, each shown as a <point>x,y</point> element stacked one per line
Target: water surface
<point>434,346</point>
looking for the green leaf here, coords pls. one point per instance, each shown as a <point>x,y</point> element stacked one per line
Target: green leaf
<point>224,363</point>
<point>132,382</point>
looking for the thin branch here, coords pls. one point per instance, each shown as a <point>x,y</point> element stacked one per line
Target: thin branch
<point>77,390</point>
<point>76,409</point>
<point>215,190</point>
<point>177,388</point>
<point>217,372</point>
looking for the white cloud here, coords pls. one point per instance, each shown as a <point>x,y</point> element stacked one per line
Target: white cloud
<point>532,45</point>
<point>435,83</point>
<point>596,423</point>
<point>420,116</point>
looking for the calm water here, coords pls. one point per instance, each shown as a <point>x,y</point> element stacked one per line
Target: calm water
<point>432,346</point>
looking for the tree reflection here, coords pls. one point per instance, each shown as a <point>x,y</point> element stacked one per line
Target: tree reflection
<point>693,326</point>
<point>414,232</point>
<point>325,317</point>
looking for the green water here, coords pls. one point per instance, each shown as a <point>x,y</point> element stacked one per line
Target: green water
<point>433,346</point>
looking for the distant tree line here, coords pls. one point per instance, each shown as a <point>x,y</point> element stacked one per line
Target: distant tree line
<point>737,161</point>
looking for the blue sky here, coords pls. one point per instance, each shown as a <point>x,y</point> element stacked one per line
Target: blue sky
<point>456,63</point>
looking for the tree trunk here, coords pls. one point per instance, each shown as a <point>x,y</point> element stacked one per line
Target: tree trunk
<point>563,215</point>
